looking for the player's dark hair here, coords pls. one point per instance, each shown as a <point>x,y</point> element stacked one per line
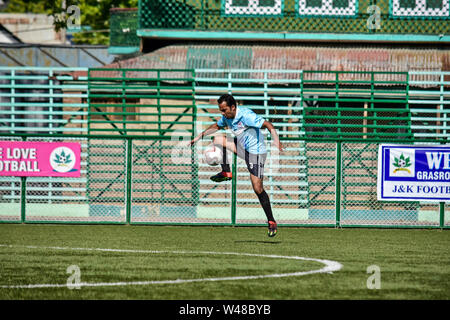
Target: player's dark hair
<point>228,98</point>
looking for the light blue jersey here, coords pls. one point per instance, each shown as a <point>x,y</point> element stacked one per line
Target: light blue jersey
<point>246,126</point>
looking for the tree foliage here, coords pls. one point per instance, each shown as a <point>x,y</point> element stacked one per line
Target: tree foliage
<point>25,6</point>
<point>94,15</point>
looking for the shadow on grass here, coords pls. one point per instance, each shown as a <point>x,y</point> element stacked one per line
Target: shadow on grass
<point>256,241</point>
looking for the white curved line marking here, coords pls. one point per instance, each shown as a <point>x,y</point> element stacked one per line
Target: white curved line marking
<point>330,267</point>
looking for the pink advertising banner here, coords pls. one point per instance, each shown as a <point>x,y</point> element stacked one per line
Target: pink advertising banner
<point>40,159</point>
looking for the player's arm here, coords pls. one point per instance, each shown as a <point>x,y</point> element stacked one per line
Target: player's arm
<point>274,134</point>
<point>210,130</point>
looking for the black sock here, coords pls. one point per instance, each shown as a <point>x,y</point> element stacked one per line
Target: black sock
<point>265,203</point>
<point>225,166</point>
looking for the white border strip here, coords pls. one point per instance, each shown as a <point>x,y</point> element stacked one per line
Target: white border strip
<point>330,267</point>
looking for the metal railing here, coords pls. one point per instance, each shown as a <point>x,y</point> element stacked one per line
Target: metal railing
<point>43,100</point>
<point>140,101</point>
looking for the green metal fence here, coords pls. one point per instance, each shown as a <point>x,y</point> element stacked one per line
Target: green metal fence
<point>153,188</point>
<point>134,127</point>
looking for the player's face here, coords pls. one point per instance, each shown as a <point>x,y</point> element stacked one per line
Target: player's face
<point>227,111</point>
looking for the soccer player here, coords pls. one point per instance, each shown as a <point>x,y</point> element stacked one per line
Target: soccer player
<point>248,144</point>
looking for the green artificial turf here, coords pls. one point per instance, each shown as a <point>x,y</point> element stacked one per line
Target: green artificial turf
<point>413,263</point>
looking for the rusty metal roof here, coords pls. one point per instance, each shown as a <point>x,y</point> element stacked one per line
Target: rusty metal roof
<point>293,57</point>
<point>282,57</point>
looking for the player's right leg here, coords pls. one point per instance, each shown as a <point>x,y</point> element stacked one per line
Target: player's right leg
<point>226,144</point>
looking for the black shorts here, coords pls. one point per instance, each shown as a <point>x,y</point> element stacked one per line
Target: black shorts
<point>254,162</point>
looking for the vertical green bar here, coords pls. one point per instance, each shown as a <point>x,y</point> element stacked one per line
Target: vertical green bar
<point>51,110</point>
<point>158,100</point>
<point>407,106</point>
<point>441,214</point>
<point>194,105</point>
<point>23,195</point>
<point>372,97</point>
<point>89,100</point>
<point>124,102</point>
<point>160,132</point>
<point>23,199</point>
<point>202,17</point>
<point>51,101</point>
<point>337,104</point>
<point>128,191</point>
<point>196,187</point>
<point>234,191</point>
<point>301,98</point>
<point>304,142</point>
<point>445,124</point>
<point>13,101</point>
<point>139,26</point>
<point>338,182</point>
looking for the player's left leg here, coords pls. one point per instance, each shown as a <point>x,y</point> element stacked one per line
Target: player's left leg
<point>257,184</point>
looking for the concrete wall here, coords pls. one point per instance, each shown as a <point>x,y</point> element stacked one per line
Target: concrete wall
<point>32,28</point>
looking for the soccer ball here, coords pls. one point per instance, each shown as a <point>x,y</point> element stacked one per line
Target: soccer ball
<point>213,155</point>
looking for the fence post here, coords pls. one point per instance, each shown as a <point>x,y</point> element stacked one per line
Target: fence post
<point>441,214</point>
<point>338,182</point>
<point>23,195</point>
<point>234,190</point>
<point>23,198</point>
<point>128,192</point>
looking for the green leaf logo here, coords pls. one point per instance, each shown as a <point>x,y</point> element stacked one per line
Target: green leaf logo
<point>62,158</point>
<point>402,163</point>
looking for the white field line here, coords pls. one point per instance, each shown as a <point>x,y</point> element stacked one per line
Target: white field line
<point>330,267</point>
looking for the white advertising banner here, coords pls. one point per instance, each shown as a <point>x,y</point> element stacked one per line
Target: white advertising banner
<point>413,173</point>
